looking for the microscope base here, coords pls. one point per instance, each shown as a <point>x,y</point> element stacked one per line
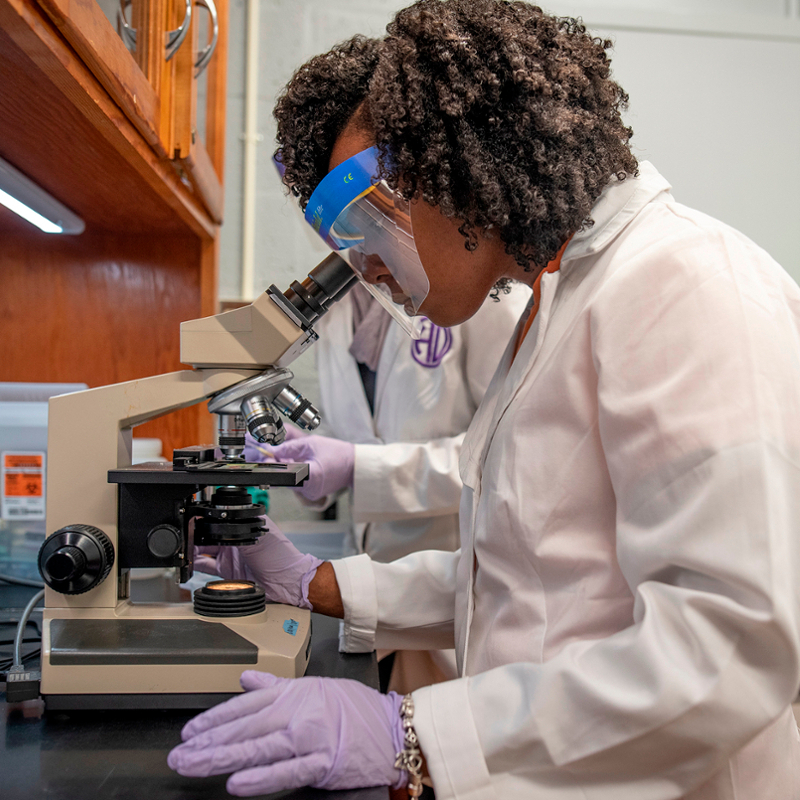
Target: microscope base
<point>164,655</point>
<point>133,702</point>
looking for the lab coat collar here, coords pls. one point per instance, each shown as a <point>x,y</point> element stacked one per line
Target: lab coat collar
<point>618,204</point>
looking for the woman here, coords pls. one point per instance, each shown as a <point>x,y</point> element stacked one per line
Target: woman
<point>623,605</point>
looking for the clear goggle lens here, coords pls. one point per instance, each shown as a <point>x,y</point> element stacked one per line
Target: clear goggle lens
<point>370,226</point>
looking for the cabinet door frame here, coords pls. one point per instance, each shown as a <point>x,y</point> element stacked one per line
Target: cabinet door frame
<point>92,36</point>
<point>201,160</point>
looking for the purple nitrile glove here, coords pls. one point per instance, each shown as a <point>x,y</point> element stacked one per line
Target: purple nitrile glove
<point>255,452</point>
<point>286,733</point>
<point>273,562</point>
<point>331,463</point>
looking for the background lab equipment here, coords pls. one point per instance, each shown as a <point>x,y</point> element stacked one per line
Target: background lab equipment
<point>105,517</point>
<point>23,459</point>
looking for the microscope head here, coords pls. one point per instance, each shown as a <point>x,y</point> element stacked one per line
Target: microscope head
<point>266,336</point>
<point>273,330</point>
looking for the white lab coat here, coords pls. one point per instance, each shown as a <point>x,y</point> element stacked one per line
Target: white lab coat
<point>406,486</point>
<point>624,605</point>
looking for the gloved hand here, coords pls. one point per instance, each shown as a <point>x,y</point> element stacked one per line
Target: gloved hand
<point>331,463</point>
<point>273,562</point>
<point>283,733</point>
<point>255,452</point>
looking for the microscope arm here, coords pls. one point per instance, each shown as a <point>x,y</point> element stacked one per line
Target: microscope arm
<point>90,434</point>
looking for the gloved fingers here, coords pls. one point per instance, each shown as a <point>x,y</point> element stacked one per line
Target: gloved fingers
<point>206,564</point>
<point>272,526</point>
<point>240,706</point>
<point>220,758</point>
<point>206,550</point>
<point>292,433</point>
<point>252,679</point>
<point>293,450</point>
<point>253,727</point>
<point>294,773</point>
<point>256,451</point>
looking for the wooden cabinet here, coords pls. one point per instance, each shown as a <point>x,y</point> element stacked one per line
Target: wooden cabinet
<point>149,61</point>
<point>84,120</point>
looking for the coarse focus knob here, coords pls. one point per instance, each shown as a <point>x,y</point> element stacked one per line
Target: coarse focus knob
<point>76,558</point>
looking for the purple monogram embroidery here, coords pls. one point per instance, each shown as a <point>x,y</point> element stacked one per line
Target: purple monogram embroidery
<point>433,346</point>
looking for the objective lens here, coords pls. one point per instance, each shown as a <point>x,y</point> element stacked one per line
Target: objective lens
<point>262,420</point>
<point>299,410</point>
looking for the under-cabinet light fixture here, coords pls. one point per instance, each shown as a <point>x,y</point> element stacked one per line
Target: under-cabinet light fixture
<point>21,195</point>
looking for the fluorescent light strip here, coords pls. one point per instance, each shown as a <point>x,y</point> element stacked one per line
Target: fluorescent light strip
<point>21,195</point>
<point>12,204</point>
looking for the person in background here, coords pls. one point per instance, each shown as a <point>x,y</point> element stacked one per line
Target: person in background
<point>624,605</point>
<point>399,409</point>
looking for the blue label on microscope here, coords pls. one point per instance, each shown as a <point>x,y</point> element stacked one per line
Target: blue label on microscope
<point>291,626</point>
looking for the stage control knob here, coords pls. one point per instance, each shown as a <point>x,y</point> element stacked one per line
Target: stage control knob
<point>76,558</point>
<point>164,541</point>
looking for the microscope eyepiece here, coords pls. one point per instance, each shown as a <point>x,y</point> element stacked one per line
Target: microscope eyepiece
<point>325,284</point>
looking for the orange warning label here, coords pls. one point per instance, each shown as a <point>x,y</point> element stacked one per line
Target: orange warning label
<point>21,484</point>
<point>23,461</point>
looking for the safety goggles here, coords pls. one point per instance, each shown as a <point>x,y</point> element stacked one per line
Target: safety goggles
<point>369,225</point>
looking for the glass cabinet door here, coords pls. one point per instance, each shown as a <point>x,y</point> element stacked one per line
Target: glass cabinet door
<point>199,113</point>
<point>164,63</point>
<point>131,46</point>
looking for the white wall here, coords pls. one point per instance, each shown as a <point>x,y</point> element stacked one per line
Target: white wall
<point>729,137</point>
<point>285,248</point>
<point>713,106</point>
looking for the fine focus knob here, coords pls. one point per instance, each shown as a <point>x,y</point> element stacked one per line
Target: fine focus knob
<point>164,541</point>
<point>76,558</point>
<point>66,564</point>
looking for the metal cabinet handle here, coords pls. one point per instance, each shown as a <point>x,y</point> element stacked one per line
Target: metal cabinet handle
<point>208,51</point>
<point>174,39</point>
<point>126,32</point>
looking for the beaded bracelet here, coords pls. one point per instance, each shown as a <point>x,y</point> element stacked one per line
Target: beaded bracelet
<point>410,757</point>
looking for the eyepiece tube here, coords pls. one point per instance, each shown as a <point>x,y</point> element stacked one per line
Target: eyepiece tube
<point>326,283</point>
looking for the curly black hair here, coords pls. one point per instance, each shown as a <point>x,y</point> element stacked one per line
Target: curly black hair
<point>503,116</point>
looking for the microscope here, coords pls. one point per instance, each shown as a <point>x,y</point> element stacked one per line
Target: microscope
<point>105,517</point>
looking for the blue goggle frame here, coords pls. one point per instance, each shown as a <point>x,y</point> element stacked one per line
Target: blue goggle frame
<point>342,186</point>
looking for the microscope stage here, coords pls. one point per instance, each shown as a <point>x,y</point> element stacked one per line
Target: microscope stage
<point>213,473</point>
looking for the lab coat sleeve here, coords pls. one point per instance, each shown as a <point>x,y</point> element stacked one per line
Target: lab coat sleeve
<point>697,379</point>
<point>402,480</point>
<point>414,609</point>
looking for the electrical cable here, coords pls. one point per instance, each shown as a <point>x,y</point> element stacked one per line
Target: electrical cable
<point>21,581</point>
<point>6,664</point>
<point>23,623</point>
